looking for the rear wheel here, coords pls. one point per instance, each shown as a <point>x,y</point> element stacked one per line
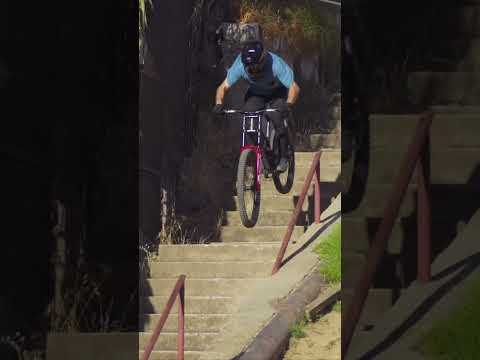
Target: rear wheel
<point>284,181</point>
<point>248,195</point>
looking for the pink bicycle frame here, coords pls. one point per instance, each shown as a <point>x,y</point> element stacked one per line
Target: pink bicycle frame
<point>255,147</point>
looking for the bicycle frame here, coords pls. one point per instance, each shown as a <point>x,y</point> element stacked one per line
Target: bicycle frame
<point>252,124</point>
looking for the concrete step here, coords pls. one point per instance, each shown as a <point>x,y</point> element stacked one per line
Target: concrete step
<point>321,141</point>
<point>453,126</point>
<point>271,201</point>
<point>443,198</point>
<point>258,234</point>
<point>390,271</point>
<point>203,287</point>
<point>330,188</point>
<point>168,341</point>
<point>358,233</point>
<point>352,268</point>
<point>217,252</point>
<point>448,165</point>
<point>375,200</point>
<point>193,322</point>
<point>455,166</point>
<point>268,188</point>
<point>360,336</point>
<point>202,270</point>
<point>444,88</point>
<point>193,305</point>
<point>378,302</point>
<point>327,173</point>
<point>189,355</point>
<point>455,110</point>
<point>330,158</point>
<point>268,218</point>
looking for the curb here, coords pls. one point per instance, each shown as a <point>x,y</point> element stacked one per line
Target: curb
<point>272,341</point>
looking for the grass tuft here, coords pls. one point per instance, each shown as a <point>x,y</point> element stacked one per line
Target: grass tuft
<point>457,336</point>
<point>297,330</point>
<point>338,306</point>
<point>330,254</point>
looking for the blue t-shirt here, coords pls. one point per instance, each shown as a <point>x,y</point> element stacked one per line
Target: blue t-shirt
<point>277,73</point>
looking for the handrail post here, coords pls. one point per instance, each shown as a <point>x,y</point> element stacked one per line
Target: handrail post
<point>317,193</point>
<point>424,214</point>
<point>296,213</point>
<point>181,323</point>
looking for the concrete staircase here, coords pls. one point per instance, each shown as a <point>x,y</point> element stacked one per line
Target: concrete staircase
<point>219,274</point>
<point>455,168</point>
<point>455,165</point>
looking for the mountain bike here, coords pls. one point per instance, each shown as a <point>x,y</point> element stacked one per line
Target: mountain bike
<point>259,158</point>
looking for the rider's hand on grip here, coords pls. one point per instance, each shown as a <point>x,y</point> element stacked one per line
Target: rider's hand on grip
<point>218,109</point>
<point>285,108</point>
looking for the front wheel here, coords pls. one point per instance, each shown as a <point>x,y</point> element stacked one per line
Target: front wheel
<point>247,192</point>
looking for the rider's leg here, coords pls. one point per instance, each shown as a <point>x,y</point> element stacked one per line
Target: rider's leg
<point>281,132</point>
<point>253,103</point>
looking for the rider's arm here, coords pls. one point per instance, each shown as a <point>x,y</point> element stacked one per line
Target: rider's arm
<point>293,92</point>
<point>284,73</point>
<point>221,91</point>
<point>234,73</point>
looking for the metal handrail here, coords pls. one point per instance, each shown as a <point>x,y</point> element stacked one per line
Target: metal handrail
<point>179,290</point>
<point>417,155</point>
<point>314,170</point>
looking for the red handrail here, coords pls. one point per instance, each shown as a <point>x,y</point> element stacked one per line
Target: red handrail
<point>179,290</point>
<point>314,170</point>
<point>417,154</point>
<point>423,213</point>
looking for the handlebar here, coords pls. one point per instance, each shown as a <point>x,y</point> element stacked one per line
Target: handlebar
<point>250,112</point>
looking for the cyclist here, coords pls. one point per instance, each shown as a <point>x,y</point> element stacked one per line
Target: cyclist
<point>271,81</point>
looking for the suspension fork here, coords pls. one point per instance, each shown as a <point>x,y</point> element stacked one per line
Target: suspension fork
<point>249,128</point>
<point>258,152</point>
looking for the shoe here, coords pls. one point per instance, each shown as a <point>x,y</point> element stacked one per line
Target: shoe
<point>282,165</point>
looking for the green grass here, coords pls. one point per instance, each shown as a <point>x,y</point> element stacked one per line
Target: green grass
<point>296,330</point>
<point>457,336</point>
<point>330,254</point>
<point>338,306</point>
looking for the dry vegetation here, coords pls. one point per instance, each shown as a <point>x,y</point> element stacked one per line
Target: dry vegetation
<point>302,26</point>
<point>86,309</point>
